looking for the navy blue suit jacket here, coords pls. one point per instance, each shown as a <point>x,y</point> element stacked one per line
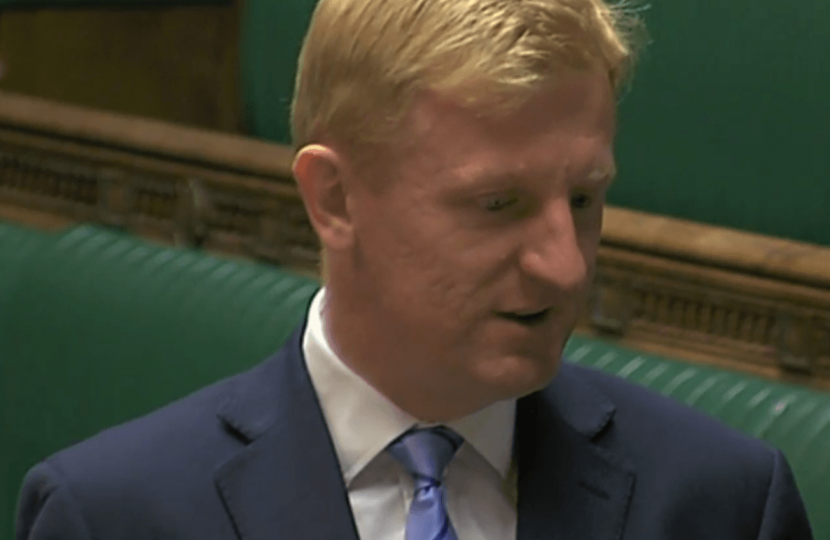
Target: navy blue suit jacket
<point>251,458</point>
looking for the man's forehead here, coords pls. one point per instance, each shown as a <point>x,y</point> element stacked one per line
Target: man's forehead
<point>442,133</point>
<point>564,103</point>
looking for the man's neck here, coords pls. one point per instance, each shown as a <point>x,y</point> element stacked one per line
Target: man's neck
<point>372,356</point>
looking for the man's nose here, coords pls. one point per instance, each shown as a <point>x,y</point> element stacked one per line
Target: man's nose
<point>552,251</point>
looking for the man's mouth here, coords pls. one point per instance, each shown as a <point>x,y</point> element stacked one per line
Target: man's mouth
<point>526,318</point>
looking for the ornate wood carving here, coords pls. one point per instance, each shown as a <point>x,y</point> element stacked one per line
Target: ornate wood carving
<point>173,184</point>
<point>678,288</point>
<point>762,324</point>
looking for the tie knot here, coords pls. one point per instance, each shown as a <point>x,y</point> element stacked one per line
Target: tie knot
<point>426,452</point>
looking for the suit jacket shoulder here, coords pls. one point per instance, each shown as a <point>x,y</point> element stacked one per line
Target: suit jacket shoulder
<point>249,457</point>
<point>137,476</point>
<point>691,476</point>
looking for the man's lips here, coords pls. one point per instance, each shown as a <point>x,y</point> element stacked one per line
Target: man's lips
<point>526,318</point>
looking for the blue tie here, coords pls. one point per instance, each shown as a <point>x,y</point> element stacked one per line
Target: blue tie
<point>424,453</point>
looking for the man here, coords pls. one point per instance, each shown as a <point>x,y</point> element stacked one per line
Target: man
<point>453,157</point>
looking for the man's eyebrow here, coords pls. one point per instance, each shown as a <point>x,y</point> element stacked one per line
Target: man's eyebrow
<point>491,178</point>
<point>603,173</point>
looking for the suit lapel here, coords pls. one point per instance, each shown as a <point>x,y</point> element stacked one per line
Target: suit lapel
<point>286,481</point>
<point>571,487</point>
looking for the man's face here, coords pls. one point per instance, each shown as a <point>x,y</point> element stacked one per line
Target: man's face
<point>475,257</point>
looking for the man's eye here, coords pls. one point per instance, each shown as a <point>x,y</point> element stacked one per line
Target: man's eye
<point>581,201</point>
<point>496,203</point>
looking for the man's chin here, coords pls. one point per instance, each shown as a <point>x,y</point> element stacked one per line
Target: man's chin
<point>522,376</point>
<point>541,379</point>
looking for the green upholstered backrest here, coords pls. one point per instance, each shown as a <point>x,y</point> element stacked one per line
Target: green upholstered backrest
<point>795,419</point>
<point>726,122</point>
<point>17,246</point>
<point>272,35</point>
<point>99,327</point>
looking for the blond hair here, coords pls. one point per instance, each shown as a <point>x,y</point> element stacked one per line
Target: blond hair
<point>363,61</point>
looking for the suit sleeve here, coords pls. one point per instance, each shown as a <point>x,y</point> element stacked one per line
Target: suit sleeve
<point>785,517</point>
<point>47,509</point>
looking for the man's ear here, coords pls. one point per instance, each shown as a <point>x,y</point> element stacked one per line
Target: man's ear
<point>320,174</point>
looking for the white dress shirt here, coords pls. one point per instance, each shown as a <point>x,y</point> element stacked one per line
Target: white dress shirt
<point>480,484</point>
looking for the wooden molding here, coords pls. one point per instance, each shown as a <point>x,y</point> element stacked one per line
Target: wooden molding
<point>673,287</point>
<point>136,135</point>
<point>713,246</point>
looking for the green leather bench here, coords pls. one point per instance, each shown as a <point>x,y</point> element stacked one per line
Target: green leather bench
<point>97,327</point>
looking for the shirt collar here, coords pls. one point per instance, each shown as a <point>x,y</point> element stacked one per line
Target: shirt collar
<point>362,421</point>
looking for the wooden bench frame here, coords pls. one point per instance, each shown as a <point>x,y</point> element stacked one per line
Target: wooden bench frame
<point>668,286</point>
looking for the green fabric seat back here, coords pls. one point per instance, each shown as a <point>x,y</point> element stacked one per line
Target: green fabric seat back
<point>102,328</point>
<point>726,122</point>
<point>795,419</point>
<point>271,38</point>
<point>17,246</point>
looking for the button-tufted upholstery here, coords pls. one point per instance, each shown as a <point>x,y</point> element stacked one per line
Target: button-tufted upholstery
<point>97,327</point>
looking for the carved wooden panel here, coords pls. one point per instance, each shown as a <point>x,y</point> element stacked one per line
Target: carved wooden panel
<point>168,198</point>
<point>771,327</point>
